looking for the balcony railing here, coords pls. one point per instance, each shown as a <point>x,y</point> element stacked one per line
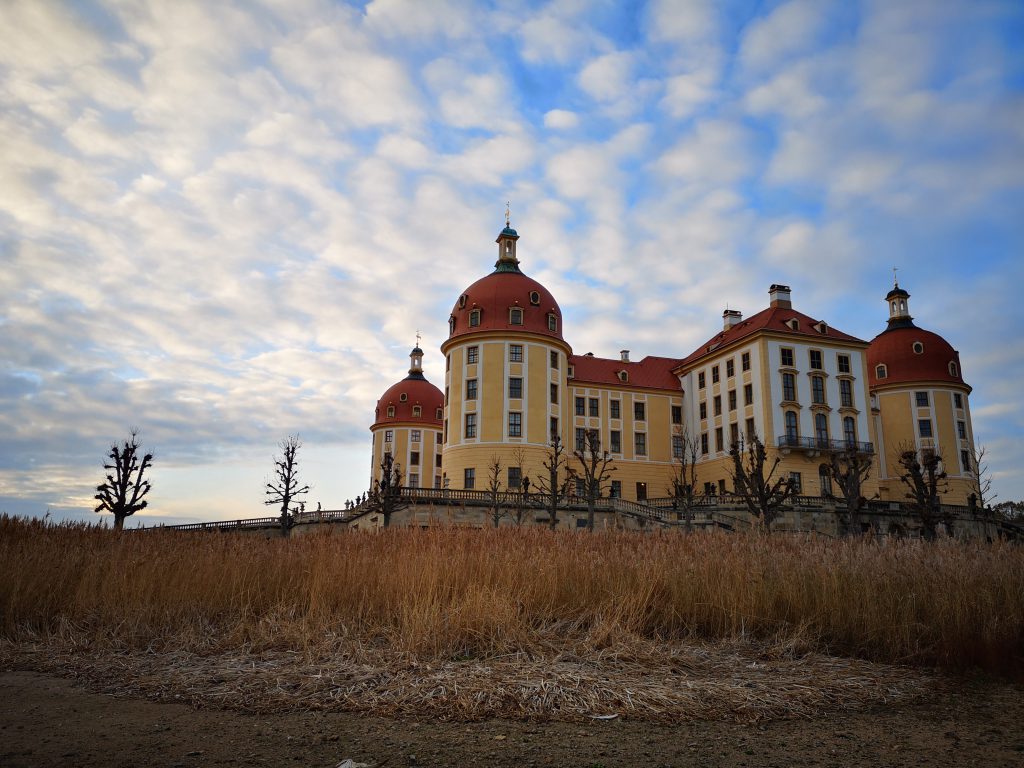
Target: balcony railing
<point>823,444</point>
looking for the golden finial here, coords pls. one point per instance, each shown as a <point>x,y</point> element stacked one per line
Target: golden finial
<point>508,214</point>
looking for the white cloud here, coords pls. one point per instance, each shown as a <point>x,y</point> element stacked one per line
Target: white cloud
<point>561,119</point>
<point>608,77</point>
<point>789,29</point>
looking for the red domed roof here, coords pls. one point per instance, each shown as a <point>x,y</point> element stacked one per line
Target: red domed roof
<point>911,354</point>
<point>417,391</point>
<point>496,295</point>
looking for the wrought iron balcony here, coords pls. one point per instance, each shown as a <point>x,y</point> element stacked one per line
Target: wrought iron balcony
<point>823,444</point>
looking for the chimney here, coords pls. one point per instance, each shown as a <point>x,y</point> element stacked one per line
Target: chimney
<point>624,355</point>
<point>780,297</point>
<point>730,318</point>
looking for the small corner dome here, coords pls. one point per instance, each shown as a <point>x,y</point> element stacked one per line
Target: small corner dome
<point>913,355</point>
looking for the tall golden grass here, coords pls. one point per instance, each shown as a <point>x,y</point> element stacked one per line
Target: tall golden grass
<point>449,593</point>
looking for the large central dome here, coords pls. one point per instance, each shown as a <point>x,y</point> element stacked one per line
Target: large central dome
<point>506,300</point>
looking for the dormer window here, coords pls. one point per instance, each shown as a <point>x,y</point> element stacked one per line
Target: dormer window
<point>623,376</point>
<point>793,323</point>
<point>880,372</point>
<point>417,411</point>
<point>403,397</point>
<point>439,413</point>
<point>918,348</point>
<point>820,327</point>
<point>953,369</point>
<point>451,324</point>
<point>552,321</point>
<point>534,298</point>
<point>474,318</point>
<point>515,316</point>
<point>571,373</point>
<point>391,411</point>
<point>462,301</point>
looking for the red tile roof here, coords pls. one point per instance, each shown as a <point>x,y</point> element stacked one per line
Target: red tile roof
<point>771,320</point>
<point>649,373</point>
<point>895,349</point>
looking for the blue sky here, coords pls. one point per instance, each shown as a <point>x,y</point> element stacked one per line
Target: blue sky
<point>224,222</point>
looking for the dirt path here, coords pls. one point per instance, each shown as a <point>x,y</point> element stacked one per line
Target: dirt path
<point>49,721</point>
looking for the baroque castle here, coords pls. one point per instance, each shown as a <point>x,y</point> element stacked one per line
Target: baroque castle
<point>800,385</point>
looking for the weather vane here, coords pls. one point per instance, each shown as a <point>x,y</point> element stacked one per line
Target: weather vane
<point>508,214</point>
<point>417,337</point>
<point>895,284</point>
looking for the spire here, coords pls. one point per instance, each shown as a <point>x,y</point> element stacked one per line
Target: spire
<point>507,261</point>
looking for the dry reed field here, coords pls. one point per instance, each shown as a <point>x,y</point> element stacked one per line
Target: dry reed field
<point>509,622</point>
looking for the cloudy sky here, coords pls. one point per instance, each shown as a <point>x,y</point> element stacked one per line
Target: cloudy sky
<point>224,223</point>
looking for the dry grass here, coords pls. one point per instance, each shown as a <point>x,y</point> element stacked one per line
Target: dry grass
<point>513,600</point>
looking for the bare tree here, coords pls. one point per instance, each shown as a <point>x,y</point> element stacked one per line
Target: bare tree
<point>763,496</point>
<point>596,471</point>
<point>385,497</point>
<point>124,488</point>
<point>284,490</point>
<point>925,479</point>
<point>981,478</point>
<point>848,469</point>
<point>554,484</point>
<point>494,489</point>
<point>522,492</point>
<point>683,482</point>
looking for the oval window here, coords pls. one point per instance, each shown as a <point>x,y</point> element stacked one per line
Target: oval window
<point>534,298</point>
<point>918,348</point>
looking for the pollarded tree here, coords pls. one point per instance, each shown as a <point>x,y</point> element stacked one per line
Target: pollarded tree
<point>849,469</point>
<point>925,479</point>
<point>122,493</point>
<point>554,483</point>
<point>683,482</point>
<point>763,496</point>
<point>595,464</point>
<point>385,497</point>
<point>283,491</point>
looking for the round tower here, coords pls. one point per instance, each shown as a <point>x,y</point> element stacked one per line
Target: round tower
<point>505,375</point>
<point>407,424</point>
<point>919,400</point>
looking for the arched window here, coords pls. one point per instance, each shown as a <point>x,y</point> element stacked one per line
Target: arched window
<point>391,411</point>
<point>792,429</point>
<point>953,369</point>
<point>417,410</point>
<point>451,324</point>
<point>850,431</point>
<point>821,429</point>
<point>880,372</point>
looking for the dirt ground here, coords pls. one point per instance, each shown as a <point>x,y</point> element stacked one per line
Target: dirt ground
<point>49,721</point>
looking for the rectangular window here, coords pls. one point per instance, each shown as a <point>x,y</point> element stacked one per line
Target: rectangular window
<point>414,458</point>
<point>677,446</point>
<point>469,478</point>
<point>515,388</point>
<point>515,477</point>
<point>581,406</point>
<point>638,412</point>
<point>474,318</point>
<point>718,439</point>
<point>825,479</point>
<point>924,427</point>
<point>721,487</point>
<point>593,404</point>
<point>616,492</point>
<point>845,393</point>
<point>470,425</point>
<point>958,400</point>
<point>472,355</point>
<point>965,461</point>
<point>700,380</point>
<point>414,436</point>
<point>844,363</point>
<point>703,410</point>
<point>581,438</point>
<point>730,368</point>
<point>554,393</point>
<point>614,407</point>
<point>640,443</point>
<point>615,438</point>
<point>714,374</point>
<point>471,389</point>
<point>515,316</point>
<point>796,481</point>
<point>789,387</point>
<point>554,360</point>
<point>515,353</point>
<point>438,436</point>
<point>732,399</point>
<point>751,430</point>
<point>748,394</point>
<point>718,405</point>
<point>677,414</point>
<point>437,461</point>
<point>447,362</point>
<point>704,443</point>
<point>515,424</point>
<point>734,434</point>
<point>553,426</point>
<point>961,430</point>
<point>389,435</point>
<point>921,398</point>
<point>787,357</point>
<point>552,323</point>
<point>709,489</point>
<point>815,355</point>
<point>818,390</point>
<point>581,490</point>
<point>414,480</point>
<point>745,361</point>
